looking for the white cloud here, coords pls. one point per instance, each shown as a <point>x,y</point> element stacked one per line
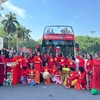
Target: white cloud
<point>17,10</point>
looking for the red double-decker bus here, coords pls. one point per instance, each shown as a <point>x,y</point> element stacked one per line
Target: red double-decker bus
<point>59,37</point>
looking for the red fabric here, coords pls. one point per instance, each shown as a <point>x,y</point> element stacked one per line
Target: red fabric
<point>77,49</point>
<point>9,69</point>
<point>96,74</point>
<point>57,60</point>
<point>51,62</point>
<point>23,72</point>
<point>46,56</point>
<point>81,81</point>
<point>89,65</point>
<point>71,63</point>
<point>24,62</point>
<point>89,68</point>
<point>20,60</point>
<point>3,59</point>
<point>1,71</point>
<point>62,61</point>
<point>37,46</point>
<point>54,70</point>
<point>30,71</point>
<point>16,71</point>
<point>37,63</point>
<point>46,69</point>
<point>31,50</point>
<point>81,61</point>
<point>30,60</point>
<point>72,76</point>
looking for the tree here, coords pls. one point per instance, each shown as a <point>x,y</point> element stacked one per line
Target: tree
<point>25,35</point>
<point>10,25</point>
<point>39,41</point>
<point>19,34</point>
<point>28,36</point>
<point>88,44</point>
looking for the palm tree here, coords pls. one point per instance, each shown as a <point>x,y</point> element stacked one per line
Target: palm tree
<point>28,36</point>
<point>10,25</point>
<point>18,34</point>
<point>25,35</point>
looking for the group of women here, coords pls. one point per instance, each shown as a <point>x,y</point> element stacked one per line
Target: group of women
<point>32,69</point>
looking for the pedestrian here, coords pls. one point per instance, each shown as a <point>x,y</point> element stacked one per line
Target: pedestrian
<point>89,69</point>
<point>24,66</point>
<point>81,80</point>
<point>30,72</point>
<point>46,69</point>
<point>1,70</point>
<point>37,65</point>
<point>96,74</point>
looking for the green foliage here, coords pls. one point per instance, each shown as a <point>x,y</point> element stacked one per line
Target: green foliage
<point>88,44</point>
<point>2,33</point>
<point>31,44</point>
<point>10,23</point>
<point>39,41</point>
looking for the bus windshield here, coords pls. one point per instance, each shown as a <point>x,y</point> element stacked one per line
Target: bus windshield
<point>58,30</point>
<point>58,42</point>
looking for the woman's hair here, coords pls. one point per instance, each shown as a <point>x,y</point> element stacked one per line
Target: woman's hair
<point>81,69</point>
<point>55,63</point>
<point>72,68</point>
<point>7,54</point>
<point>91,57</point>
<point>83,55</point>
<point>0,52</point>
<point>32,66</point>
<point>73,58</point>
<point>46,63</point>
<point>60,68</point>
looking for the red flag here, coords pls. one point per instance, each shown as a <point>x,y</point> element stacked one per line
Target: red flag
<point>31,50</point>
<point>37,46</point>
<point>77,49</point>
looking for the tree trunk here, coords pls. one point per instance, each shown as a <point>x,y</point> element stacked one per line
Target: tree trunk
<point>17,42</point>
<point>8,41</point>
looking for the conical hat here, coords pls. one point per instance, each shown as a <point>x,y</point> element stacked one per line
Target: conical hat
<point>46,75</point>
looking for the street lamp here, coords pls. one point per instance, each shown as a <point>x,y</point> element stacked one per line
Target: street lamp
<point>93,32</point>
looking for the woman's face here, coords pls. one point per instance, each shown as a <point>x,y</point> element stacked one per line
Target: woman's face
<point>70,57</point>
<point>25,56</point>
<point>10,55</point>
<point>56,54</point>
<point>21,54</point>
<point>30,55</point>
<point>38,53</point>
<point>88,57</point>
<point>96,56</point>
<point>31,66</point>
<point>42,54</point>
<point>46,64</point>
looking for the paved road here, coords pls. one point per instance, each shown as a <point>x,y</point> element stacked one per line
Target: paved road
<point>44,92</point>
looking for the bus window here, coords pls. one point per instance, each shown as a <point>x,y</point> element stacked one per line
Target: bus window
<point>58,30</point>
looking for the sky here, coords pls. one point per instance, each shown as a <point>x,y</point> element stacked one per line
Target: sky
<point>82,15</point>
